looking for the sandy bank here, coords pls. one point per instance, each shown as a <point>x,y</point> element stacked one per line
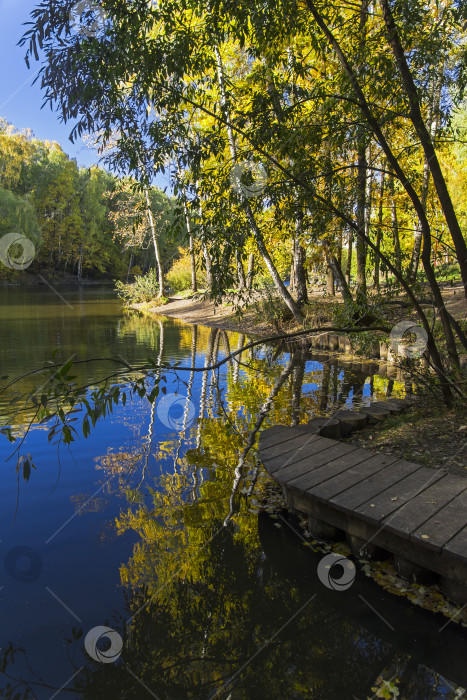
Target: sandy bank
<point>206,313</point>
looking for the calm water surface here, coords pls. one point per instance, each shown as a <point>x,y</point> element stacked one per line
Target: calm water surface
<point>150,527</point>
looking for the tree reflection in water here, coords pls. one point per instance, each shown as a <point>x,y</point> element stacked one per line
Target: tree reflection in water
<point>224,603</point>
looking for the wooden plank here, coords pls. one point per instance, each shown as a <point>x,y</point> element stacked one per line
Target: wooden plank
<point>269,433</point>
<point>444,525</point>
<point>310,448</point>
<point>298,467</point>
<point>369,488</point>
<point>418,513</point>
<point>288,446</point>
<point>371,463</point>
<point>425,505</point>
<point>276,434</point>
<point>330,469</point>
<point>398,494</point>
<point>458,545</point>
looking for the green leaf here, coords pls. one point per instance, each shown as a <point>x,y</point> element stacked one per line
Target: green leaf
<point>153,395</point>
<point>64,370</point>
<point>86,427</point>
<point>67,436</point>
<point>26,470</point>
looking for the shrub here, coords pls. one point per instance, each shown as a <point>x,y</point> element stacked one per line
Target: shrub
<point>144,288</point>
<point>136,271</point>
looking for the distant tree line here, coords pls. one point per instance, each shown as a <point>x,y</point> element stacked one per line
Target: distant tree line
<point>75,216</point>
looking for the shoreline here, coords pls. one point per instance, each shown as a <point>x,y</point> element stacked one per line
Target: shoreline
<point>206,313</point>
<point>35,281</point>
<point>222,316</point>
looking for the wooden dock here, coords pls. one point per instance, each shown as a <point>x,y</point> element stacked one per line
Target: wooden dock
<point>382,505</point>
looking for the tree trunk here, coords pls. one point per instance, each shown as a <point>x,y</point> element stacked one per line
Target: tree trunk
<point>207,262</point>
<point>361,223</point>
<point>194,281</point>
<point>369,198</point>
<point>363,203</point>
<point>339,278</point>
<point>433,116</point>
<point>299,257</point>
<point>194,284</point>
<point>281,288</point>
<point>240,271</point>
<point>395,226</point>
<point>395,165</point>
<point>348,267</point>
<point>339,244</point>
<point>379,233</point>
<point>155,243</point>
<point>251,271</point>
<point>330,282</point>
<point>426,142</point>
<point>80,262</point>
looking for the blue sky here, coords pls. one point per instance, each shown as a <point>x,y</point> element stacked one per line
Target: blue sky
<point>20,101</point>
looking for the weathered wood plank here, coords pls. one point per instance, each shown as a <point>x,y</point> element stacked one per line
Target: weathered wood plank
<point>335,467</point>
<point>290,471</point>
<point>417,513</point>
<point>371,464</point>
<point>398,494</point>
<point>371,487</point>
<point>458,545</point>
<point>423,506</point>
<point>443,525</point>
<point>308,450</point>
<point>282,448</point>
<point>277,434</point>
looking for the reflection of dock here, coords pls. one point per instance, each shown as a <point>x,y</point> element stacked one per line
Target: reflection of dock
<point>382,503</point>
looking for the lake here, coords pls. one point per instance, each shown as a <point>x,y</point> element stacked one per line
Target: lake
<point>153,558</point>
